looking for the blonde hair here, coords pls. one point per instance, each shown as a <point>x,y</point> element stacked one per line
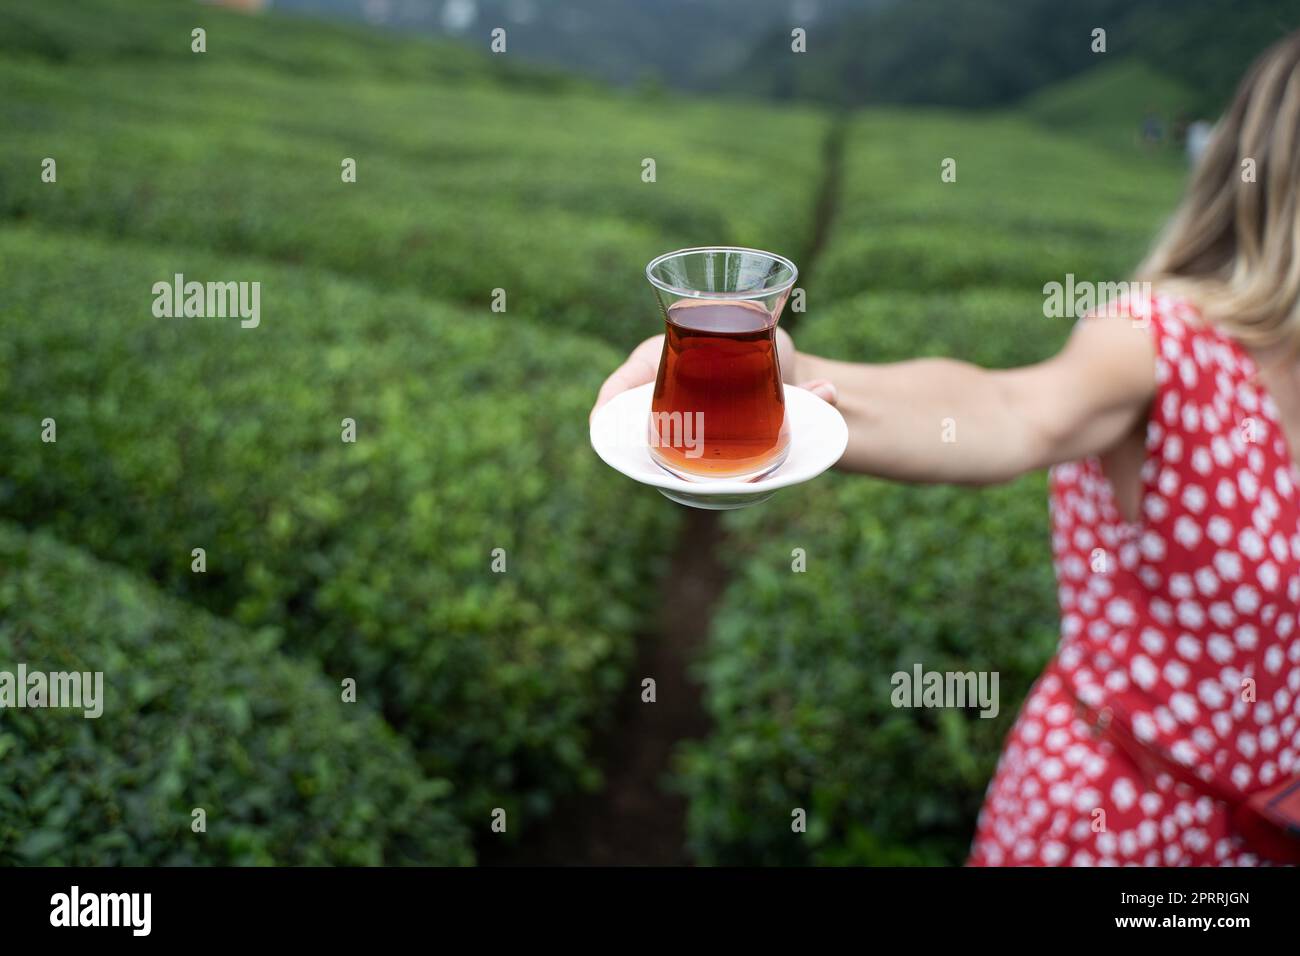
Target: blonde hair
<point>1233,245</point>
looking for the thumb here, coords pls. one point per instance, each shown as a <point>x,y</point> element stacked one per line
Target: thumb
<point>823,389</point>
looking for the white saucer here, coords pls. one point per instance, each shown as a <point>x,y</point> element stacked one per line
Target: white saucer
<point>818,437</point>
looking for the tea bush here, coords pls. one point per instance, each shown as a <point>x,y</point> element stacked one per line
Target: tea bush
<point>375,557</point>
<point>155,30</point>
<point>197,713</point>
<point>1025,208</point>
<point>798,668</point>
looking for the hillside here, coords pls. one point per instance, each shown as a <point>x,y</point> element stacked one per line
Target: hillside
<point>1107,104</point>
<point>992,53</point>
<point>676,43</point>
<point>497,594</point>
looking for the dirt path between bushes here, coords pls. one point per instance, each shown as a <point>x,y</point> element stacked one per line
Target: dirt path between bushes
<point>635,819</point>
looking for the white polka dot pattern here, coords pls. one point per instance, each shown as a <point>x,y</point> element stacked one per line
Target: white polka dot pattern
<point>1188,626</point>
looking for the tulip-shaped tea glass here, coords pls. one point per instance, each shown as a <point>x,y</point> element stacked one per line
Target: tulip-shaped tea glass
<point>718,411</point>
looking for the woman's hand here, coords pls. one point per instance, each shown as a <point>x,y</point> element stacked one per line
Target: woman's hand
<point>941,420</point>
<point>904,417</point>
<point>643,365</point>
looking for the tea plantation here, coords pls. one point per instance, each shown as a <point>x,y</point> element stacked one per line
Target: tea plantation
<point>467,181</point>
<point>373,556</point>
<point>390,479</point>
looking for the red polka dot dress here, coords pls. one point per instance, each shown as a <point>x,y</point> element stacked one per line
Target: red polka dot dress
<point>1168,619</point>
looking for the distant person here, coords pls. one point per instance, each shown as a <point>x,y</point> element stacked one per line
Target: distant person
<point>1170,425</point>
<point>1181,122</point>
<point>1152,130</point>
<point>1198,138</point>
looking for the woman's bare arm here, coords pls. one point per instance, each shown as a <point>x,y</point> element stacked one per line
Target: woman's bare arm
<point>940,420</point>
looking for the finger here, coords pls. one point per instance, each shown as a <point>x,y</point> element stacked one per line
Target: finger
<point>823,389</point>
<point>616,383</point>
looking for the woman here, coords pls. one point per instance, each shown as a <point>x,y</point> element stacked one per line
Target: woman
<point>1169,425</point>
